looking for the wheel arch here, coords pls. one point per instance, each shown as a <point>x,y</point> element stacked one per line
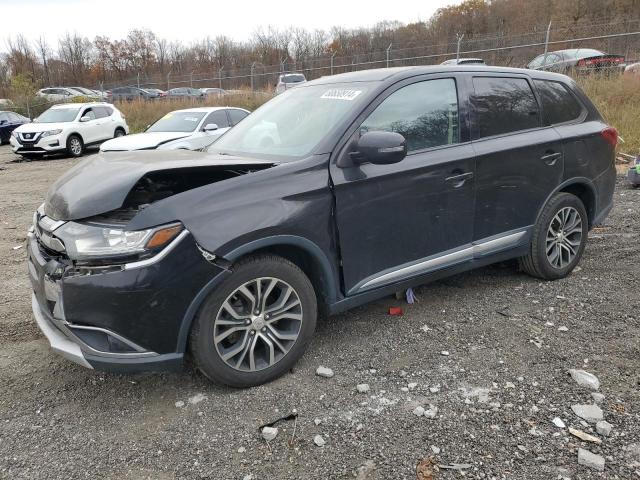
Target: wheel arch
<point>304,253</point>
<point>582,188</point>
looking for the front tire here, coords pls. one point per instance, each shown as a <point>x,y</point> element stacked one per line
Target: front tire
<point>75,146</point>
<point>119,133</point>
<point>255,325</point>
<point>559,238</point>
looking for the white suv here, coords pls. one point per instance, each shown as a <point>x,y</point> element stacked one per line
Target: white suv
<point>70,127</point>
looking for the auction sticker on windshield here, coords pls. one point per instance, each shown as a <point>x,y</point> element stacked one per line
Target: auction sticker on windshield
<point>341,94</point>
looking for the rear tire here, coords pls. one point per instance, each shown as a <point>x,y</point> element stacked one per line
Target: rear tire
<point>75,146</point>
<point>559,238</point>
<point>119,133</point>
<point>256,324</point>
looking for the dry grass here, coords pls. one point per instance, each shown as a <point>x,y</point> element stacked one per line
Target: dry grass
<point>141,113</point>
<point>618,99</point>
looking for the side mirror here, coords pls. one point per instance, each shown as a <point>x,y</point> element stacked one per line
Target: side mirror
<point>85,118</point>
<point>209,127</point>
<point>380,148</point>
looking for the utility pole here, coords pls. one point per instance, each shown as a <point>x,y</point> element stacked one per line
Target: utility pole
<point>546,44</point>
<point>252,67</point>
<point>333,55</point>
<point>388,49</point>
<point>138,79</point>
<point>220,77</point>
<point>168,82</point>
<point>459,37</point>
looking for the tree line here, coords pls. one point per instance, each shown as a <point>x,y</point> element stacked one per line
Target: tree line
<point>78,60</point>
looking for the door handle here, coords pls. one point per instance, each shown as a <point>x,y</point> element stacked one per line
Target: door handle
<point>550,158</point>
<point>458,180</point>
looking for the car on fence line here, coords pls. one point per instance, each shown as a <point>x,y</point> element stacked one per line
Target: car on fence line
<point>189,129</point>
<point>58,94</point>
<point>70,128</point>
<point>9,121</point>
<point>578,60</point>
<point>289,80</point>
<point>185,92</point>
<point>160,93</point>
<point>214,92</point>
<point>128,94</point>
<point>372,182</point>
<point>464,61</point>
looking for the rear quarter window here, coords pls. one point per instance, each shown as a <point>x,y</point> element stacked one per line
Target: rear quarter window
<point>503,105</point>
<point>559,105</point>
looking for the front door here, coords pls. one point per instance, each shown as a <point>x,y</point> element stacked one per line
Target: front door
<point>403,220</point>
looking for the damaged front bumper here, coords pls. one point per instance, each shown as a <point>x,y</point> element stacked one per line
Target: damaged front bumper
<point>126,318</point>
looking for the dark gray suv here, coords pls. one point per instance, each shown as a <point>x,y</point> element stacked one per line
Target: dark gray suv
<point>335,193</point>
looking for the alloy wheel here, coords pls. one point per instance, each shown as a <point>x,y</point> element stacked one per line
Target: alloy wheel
<point>75,146</point>
<point>257,324</point>
<point>564,237</point>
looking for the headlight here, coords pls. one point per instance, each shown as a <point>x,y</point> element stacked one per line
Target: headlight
<point>14,134</point>
<point>48,133</point>
<point>84,241</point>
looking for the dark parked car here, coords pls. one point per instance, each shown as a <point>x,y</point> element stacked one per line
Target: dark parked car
<point>9,121</point>
<point>335,193</point>
<point>129,94</point>
<point>578,60</point>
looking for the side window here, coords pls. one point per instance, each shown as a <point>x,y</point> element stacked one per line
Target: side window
<point>502,105</point>
<point>559,105</point>
<point>425,113</point>
<point>236,116</point>
<point>552,60</point>
<point>219,117</point>
<point>89,113</point>
<point>101,112</point>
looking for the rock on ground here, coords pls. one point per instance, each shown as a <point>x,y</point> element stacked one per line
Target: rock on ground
<point>590,460</point>
<point>604,428</point>
<point>319,441</point>
<point>324,372</point>
<point>585,379</point>
<point>558,422</point>
<point>590,413</point>
<point>269,433</point>
<point>363,387</point>
<point>597,397</point>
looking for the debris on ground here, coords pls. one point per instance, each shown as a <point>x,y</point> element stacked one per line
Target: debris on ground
<point>597,397</point>
<point>590,460</point>
<point>365,471</point>
<point>179,404</point>
<point>319,441</point>
<point>410,296</point>
<point>589,412</point>
<point>424,469</point>
<point>197,398</point>
<point>431,412</point>
<point>456,466</point>
<point>584,436</point>
<point>563,329</point>
<point>395,311</point>
<point>558,422</point>
<point>292,416</point>
<point>324,372</point>
<point>585,379</point>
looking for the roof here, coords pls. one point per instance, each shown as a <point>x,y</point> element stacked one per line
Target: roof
<point>87,104</point>
<point>202,109</point>
<point>397,73</point>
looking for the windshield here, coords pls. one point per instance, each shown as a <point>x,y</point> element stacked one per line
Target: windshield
<point>56,115</point>
<point>292,123</point>
<point>293,78</point>
<point>177,122</point>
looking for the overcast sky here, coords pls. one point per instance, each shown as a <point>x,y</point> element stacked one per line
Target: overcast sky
<point>195,19</point>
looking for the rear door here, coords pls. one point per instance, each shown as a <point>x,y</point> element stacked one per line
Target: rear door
<point>404,220</point>
<point>90,130</point>
<point>519,161</point>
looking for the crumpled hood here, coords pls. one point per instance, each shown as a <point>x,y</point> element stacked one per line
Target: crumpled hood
<point>101,183</point>
<point>140,141</point>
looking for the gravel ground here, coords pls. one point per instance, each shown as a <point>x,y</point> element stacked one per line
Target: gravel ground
<point>497,391</point>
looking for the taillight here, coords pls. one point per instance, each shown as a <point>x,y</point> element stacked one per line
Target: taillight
<point>610,134</point>
<point>581,63</point>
